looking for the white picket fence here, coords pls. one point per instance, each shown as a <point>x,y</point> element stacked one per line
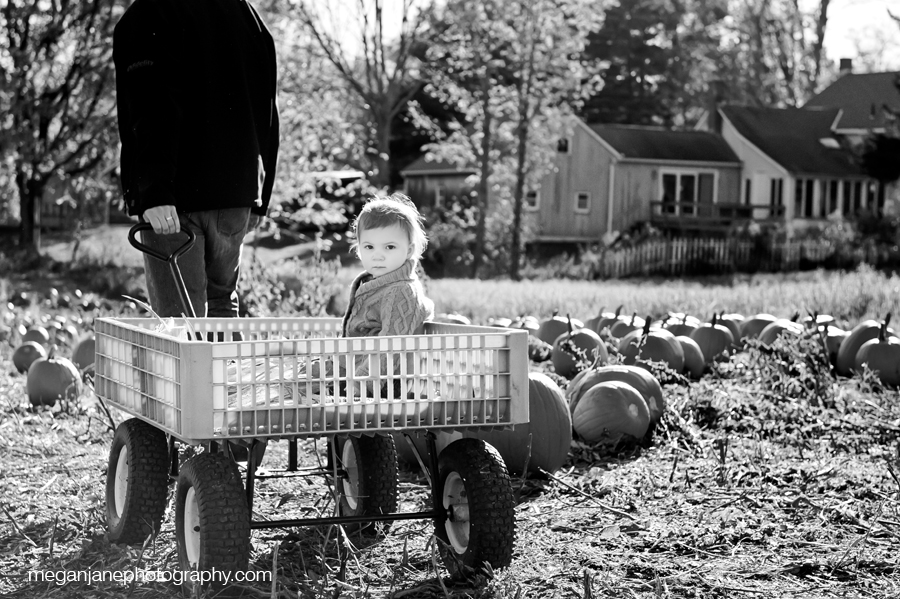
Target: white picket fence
<point>680,256</point>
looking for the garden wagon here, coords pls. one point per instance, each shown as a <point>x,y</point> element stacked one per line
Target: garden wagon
<point>227,383</point>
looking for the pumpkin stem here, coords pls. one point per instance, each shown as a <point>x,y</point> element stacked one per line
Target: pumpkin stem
<point>619,310</point>
<point>568,326</point>
<point>714,319</point>
<point>555,312</point>
<point>684,318</point>
<point>882,332</point>
<point>633,316</point>
<point>52,352</point>
<point>795,316</point>
<point>600,313</point>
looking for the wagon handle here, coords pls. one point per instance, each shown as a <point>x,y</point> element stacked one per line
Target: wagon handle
<point>171,260</point>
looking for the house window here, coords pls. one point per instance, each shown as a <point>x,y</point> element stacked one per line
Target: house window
<point>803,198</point>
<point>857,195</point>
<point>881,197</point>
<point>683,193</point>
<point>776,193</point>
<point>669,190</point>
<point>532,200</point>
<point>848,197</point>
<point>833,187</point>
<point>747,191</point>
<point>582,201</point>
<point>562,146</point>
<point>440,195</point>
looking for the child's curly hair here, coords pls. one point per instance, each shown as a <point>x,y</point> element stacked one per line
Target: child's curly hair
<point>395,209</point>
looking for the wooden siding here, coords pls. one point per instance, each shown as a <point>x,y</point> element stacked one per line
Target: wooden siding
<point>584,169</point>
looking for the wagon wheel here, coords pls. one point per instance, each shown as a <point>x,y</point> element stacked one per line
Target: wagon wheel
<point>137,481</point>
<point>477,522</point>
<point>212,520</point>
<point>367,483</point>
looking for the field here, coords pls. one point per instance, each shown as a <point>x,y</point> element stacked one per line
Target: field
<point>769,477</point>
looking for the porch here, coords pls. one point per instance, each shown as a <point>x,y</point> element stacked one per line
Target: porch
<point>694,216</point>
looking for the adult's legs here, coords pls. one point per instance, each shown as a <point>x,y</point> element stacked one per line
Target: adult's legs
<point>225,230</point>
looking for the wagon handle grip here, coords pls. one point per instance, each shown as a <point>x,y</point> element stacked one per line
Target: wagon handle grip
<point>171,260</point>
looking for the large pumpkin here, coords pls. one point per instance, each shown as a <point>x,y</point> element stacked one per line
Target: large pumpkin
<point>38,334</point>
<point>694,361</point>
<point>713,339</point>
<point>753,326</point>
<point>642,380</point>
<point>602,320</point>
<point>548,432</point>
<point>609,411</point>
<point>26,354</point>
<point>846,357</point>
<point>83,354</point>
<point>50,379</point>
<point>585,339</point>
<point>882,355</point>
<point>781,326</point>
<point>555,326</point>
<point>626,324</point>
<point>657,345</point>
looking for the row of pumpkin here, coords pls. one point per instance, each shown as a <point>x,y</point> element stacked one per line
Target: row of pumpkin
<point>688,346</point>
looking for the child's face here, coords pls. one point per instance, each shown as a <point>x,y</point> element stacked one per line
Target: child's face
<point>383,250</point>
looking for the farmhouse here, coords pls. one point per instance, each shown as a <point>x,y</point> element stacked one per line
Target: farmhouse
<point>610,177</point>
<point>795,165</point>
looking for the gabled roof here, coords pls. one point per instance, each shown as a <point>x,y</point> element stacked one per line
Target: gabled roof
<point>423,166</point>
<point>657,143</point>
<point>861,98</point>
<point>791,137</point>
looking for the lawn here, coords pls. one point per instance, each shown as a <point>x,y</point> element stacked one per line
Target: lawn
<point>768,477</point>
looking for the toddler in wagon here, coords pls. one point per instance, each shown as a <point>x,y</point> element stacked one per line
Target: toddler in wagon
<point>387,298</point>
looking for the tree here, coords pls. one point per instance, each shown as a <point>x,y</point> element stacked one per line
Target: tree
<point>464,69</point>
<point>381,73</point>
<point>548,83</point>
<point>56,72</point>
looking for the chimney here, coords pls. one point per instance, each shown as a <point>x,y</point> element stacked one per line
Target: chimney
<point>715,95</point>
<point>846,67</point>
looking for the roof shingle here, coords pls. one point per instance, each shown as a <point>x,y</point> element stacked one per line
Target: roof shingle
<point>656,143</point>
<point>861,97</point>
<point>791,137</point>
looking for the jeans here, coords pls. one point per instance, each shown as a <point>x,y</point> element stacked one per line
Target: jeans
<point>210,268</point>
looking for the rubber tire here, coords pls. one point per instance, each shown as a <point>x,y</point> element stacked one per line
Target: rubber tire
<point>223,520</point>
<point>147,482</point>
<point>370,488</point>
<point>475,468</point>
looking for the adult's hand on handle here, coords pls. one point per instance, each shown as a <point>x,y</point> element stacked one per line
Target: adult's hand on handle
<point>163,219</point>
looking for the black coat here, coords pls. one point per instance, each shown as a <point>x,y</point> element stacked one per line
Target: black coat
<point>196,93</point>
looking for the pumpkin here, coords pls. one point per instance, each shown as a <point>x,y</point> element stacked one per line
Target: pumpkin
<point>610,411</point>
<point>38,334</point>
<point>656,345</point>
<point>781,326</point>
<point>602,320</point>
<point>555,326</point>
<point>625,325</point>
<point>834,336</point>
<point>862,332</point>
<point>27,353</point>
<point>732,325</point>
<point>83,354</point>
<point>501,322</point>
<point>713,339</point>
<point>548,432</point>
<point>565,363</point>
<point>752,327</point>
<point>882,355</point>
<point>694,360</point>
<point>642,380</point>
<point>681,324</point>
<point>52,378</point>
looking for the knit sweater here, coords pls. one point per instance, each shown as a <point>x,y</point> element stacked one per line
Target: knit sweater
<point>392,304</point>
